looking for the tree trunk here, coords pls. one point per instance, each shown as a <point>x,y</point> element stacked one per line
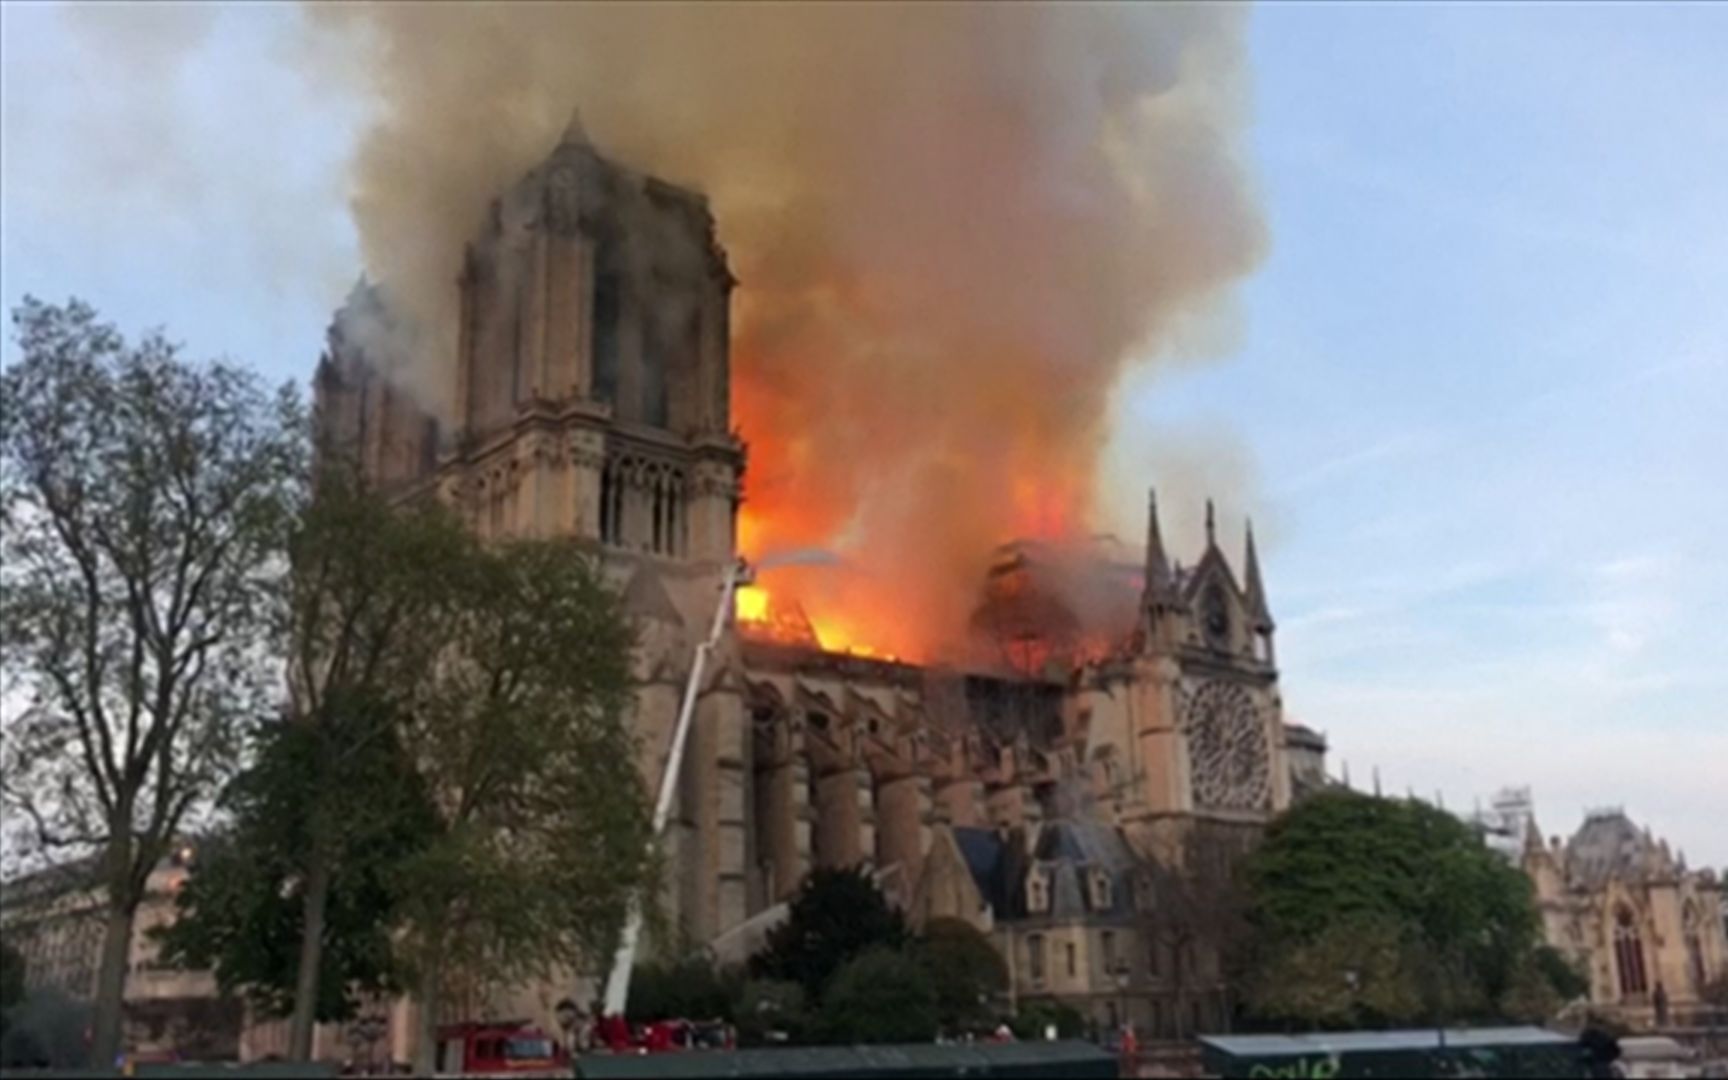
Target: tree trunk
<point>305,1017</point>
<point>111,987</point>
<point>426,1037</point>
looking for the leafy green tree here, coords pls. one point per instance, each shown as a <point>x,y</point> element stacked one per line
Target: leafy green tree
<point>12,974</point>
<point>1035,1016</point>
<point>145,507</point>
<point>1356,974</point>
<point>294,907</point>
<point>242,912</point>
<point>518,729</point>
<point>1561,975</point>
<point>686,988</point>
<point>836,915</point>
<point>1343,868</point>
<point>881,995</point>
<point>47,1029</point>
<point>965,971</point>
<point>369,581</point>
<point>1531,996</point>
<point>771,1010</point>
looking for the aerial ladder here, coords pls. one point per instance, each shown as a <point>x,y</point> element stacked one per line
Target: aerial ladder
<point>618,980</point>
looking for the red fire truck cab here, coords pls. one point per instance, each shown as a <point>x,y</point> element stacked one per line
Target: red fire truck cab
<point>499,1048</point>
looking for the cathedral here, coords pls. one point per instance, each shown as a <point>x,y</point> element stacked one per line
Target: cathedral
<point>592,402</point>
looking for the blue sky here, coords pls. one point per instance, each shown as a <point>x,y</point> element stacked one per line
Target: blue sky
<point>1477,400</point>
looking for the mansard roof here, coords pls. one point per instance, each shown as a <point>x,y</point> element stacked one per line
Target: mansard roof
<point>1069,851</point>
<point>1072,851</point>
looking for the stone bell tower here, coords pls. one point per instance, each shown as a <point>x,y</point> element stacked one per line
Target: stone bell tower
<point>592,367</point>
<point>592,403</point>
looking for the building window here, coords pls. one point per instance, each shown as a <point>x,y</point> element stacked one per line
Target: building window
<point>666,511</point>
<point>1103,896</point>
<point>1153,950</point>
<point>612,504</point>
<point>1035,958</point>
<point>1629,953</point>
<point>1073,960</point>
<point>1037,892</point>
<point>1107,943</point>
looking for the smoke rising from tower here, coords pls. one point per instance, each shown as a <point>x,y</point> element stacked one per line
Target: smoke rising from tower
<point>954,226</point>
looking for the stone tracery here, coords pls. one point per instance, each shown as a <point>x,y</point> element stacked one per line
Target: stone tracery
<point>1228,757</point>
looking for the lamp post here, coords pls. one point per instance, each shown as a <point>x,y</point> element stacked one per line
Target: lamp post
<point>1130,1046</point>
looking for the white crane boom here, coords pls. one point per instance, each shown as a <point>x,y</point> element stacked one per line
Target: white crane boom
<point>618,980</point>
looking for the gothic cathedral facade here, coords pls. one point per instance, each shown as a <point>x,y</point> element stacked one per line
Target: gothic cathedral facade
<point>591,401</point>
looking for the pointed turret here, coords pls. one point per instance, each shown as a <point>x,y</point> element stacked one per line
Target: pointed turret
<point>1532,837</point>
<point>574,133</point>
<point>1160,581</point>
<point>1254,588</point>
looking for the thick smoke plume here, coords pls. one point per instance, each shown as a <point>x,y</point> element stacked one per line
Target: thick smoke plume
<point>954,225</point>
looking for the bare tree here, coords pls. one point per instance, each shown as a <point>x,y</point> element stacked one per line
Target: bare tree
<point>145,502</point>
<point>1196,917</point>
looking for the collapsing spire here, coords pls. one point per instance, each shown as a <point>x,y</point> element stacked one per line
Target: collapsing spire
<point>1253,588</point>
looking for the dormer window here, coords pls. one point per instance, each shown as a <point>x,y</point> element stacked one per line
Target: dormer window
<point>1038,892</point>
<point>1103,895</point>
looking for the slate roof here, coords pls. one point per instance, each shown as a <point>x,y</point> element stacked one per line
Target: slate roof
<point>997,864</point>
<point>1607,845</point>
<point>1068,851</point>
<point>1071,851</point>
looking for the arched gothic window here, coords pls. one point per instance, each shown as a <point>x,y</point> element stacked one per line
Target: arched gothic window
<point>1629,953</point>
<point>642,506</point>
<point>612,503</point>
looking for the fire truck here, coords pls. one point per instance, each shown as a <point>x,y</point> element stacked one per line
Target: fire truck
<point>664,1036</point>
<point>511,1048</point>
